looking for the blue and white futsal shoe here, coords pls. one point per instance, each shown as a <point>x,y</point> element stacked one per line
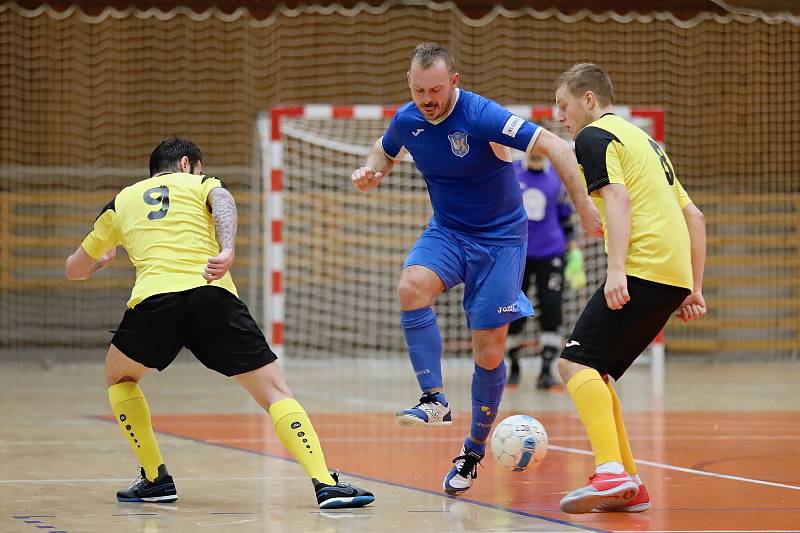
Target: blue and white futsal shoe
<point>465,468</point>
<point>428,412</point>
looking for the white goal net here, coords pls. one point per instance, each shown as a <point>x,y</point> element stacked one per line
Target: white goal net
<point>342,251</point>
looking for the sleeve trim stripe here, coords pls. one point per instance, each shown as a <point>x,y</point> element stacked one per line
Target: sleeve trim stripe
<point>397,157</point>
<point>533,139</point>
<point>221,183</point>
<point>110,206</point>
<point>598,184</point>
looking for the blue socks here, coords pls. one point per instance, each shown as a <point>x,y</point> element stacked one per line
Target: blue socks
<point>425,351</point>
<point>487,391</point>
<point>424,346</point>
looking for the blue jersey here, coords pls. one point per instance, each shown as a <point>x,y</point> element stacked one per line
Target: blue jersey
<point>546,203</point>
<point>467,166</point>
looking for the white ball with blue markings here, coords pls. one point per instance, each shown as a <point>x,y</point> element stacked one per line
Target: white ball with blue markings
<point>519,442</point>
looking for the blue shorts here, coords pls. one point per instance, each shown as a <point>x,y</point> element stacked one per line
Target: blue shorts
<point>492,275</point>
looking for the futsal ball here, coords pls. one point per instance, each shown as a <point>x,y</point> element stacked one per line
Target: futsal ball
<point>519,442</point>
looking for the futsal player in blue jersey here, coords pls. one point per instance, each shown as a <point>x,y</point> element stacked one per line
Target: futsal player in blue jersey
<point>550,234</point>
<point>477,236</point>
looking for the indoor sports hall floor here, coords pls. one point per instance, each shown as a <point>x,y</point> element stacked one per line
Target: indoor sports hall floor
<point>720,453</point>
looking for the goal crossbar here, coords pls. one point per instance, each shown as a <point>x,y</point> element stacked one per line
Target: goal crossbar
<point>272,128</point>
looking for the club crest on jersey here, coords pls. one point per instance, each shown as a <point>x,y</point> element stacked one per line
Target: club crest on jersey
<point>458,143</point>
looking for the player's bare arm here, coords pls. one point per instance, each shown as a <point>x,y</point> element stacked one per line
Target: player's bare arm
<point>563,159</point>
<point>618,229</point>
<point>80,265</point>
<point>226,219</point>
<point>694,306</point>
<point>377,166</point>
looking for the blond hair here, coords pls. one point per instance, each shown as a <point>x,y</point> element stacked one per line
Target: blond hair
<point>585,77</point>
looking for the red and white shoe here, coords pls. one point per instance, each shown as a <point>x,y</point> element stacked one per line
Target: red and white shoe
<point>602,491</point>
<point>640,502</point>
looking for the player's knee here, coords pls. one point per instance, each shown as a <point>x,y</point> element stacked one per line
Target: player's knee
<point>565,369</point>
<point>275,394</point>
<point>489,358</point>
<point>115,379</point>
<point>281,389</point>
<point>412,294</point>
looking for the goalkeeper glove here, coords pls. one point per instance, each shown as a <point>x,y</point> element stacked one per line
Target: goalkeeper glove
<point>573,271</point>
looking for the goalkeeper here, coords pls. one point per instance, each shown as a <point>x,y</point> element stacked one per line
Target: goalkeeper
<point>550,235</point>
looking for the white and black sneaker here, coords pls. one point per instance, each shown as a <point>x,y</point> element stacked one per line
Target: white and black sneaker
<point>160,490</point>
<point>341,495</point>
<point>465,468</point>
<point>428,412</point>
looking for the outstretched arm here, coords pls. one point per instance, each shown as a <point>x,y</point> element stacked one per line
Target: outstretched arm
<point>226,220</point>
<point>558,151</point>
<point>101,243</point>
<point>694,306</point>
<point>376,167</point>
<point>80,265</point>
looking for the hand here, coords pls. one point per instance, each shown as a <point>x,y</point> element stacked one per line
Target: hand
<point>104,261</point>
<point>573,271</point>
<point>218,266</point>
<point>590,218</point>
<point>365,178</point>
<point>616,289</point>
<point>693,307</point>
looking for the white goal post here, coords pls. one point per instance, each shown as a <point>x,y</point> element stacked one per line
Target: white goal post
<point>326,244</point>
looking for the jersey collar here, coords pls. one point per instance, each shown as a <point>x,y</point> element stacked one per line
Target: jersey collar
<point>449,112</point>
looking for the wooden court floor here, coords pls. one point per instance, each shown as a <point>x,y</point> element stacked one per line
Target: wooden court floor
<point>720,453</point>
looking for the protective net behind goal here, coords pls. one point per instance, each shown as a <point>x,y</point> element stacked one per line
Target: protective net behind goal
<point>344,250</point>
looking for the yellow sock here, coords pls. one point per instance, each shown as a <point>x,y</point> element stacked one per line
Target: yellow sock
<point>594,405</point>
<point>133,415</point>
<point>297,434</point>
<point>622,435</point>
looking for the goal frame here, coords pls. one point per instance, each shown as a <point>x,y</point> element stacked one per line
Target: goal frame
<point>268,126</point>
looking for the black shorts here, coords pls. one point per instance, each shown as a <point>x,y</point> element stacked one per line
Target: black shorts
<point>549,277</point>
<point>210,321</point>
<point>610,341</point>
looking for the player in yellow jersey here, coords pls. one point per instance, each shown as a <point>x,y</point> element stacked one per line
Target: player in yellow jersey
<point>656,245</point>
<point>179,228</point>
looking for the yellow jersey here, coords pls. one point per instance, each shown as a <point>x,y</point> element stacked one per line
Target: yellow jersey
<point>612,150</point>
<point>164,224</point>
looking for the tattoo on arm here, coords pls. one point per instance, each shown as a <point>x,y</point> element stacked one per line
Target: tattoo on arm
<point>223,209</point>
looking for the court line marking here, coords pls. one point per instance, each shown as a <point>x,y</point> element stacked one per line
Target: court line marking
<point>565,449</point>
<point>447,439</point>
<point>420,439</point>
<point>685,470</point>
<point>514,511</point>
<point>127,480</point>
<point>383,482</point>
<point>213,524</point>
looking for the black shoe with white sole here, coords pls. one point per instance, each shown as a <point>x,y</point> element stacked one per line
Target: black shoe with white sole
<point>160,490</point>
<point>341,495</point>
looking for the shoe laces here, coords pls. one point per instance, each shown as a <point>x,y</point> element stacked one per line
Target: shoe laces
<point>426,398</point>
<point>336,482</point>
<point>596,475</point>
<point>469,466</point>
<point>136,482</point>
